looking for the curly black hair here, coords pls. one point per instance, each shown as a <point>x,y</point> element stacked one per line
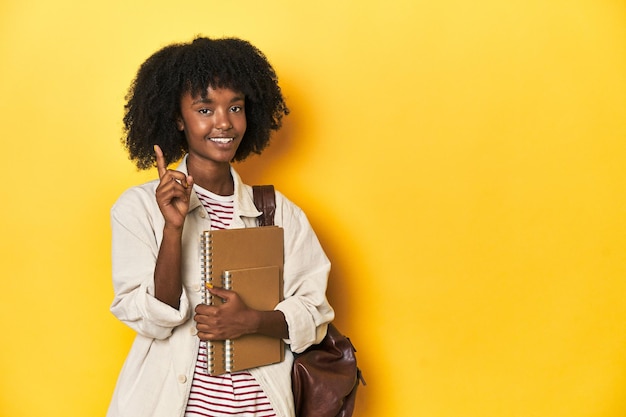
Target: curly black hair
<point>153,99</point>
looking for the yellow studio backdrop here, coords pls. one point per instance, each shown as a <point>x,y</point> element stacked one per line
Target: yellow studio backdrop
<point>462,162</point>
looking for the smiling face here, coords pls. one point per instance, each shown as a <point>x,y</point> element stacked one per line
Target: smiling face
<point>214,125</point>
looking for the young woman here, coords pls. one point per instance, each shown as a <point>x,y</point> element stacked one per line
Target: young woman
<point>209,102</point>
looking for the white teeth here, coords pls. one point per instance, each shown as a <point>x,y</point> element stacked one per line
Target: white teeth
<point>222,140</point>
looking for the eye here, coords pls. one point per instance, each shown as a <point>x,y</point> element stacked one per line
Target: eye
<point>236,109</point>
<point>204,111</point>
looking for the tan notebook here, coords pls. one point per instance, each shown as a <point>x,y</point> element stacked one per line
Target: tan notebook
<point>250,262</point>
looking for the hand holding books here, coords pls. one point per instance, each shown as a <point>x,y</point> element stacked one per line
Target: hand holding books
<point>229,320</point>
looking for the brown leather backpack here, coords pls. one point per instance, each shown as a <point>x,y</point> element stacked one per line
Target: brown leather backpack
<point>325,377</point>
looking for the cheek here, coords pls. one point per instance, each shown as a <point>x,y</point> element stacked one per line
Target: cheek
<point>242,126</point>
<point>197,128</point>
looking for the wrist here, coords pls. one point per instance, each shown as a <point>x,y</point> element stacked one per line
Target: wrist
<point>255,321</point>
<point>271,323</point>
<point>172,230</point>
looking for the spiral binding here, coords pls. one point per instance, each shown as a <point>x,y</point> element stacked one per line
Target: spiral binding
<point>207,298</point>
<point>229,357</point>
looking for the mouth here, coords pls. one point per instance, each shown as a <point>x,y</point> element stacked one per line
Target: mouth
<point>221,140</point>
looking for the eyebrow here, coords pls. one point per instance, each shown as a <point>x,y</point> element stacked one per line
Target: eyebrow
<point>206,100</point>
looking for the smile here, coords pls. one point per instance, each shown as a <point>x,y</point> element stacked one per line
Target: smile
<point>221,140</point>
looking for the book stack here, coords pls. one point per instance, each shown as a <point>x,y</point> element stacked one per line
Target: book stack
<point>250,262</point>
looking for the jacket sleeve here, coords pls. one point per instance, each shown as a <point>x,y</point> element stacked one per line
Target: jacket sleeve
<point>306,270</point>
<point>137,227</point>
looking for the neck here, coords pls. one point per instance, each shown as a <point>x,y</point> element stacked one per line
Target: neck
<point>212,177</point>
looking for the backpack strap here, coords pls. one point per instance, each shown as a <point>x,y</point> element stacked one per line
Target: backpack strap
<point>265,201</point>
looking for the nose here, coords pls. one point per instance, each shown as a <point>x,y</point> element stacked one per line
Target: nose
<point>222,120</point>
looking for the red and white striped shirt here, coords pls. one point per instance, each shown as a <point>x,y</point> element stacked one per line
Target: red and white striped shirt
<point>231,394</point>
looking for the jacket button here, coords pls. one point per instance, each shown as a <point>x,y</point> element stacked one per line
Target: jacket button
<point>197,287</point>
<point>182,379</point>
<point>193,330</point>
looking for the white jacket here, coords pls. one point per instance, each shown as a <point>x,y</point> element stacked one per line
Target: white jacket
<point>156,378</point>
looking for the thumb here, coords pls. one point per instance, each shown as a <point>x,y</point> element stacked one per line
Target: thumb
<point>188,184</point>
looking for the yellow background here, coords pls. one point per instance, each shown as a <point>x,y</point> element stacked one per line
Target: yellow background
<point>463,163</point>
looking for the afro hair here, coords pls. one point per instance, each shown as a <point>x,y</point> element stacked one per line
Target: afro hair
<point>153,99</point>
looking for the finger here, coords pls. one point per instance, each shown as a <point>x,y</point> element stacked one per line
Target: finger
<point>221,293</point>
<point>205,310</point>
<point>206,336</point>
<point>170,190</point>
<point>202,322</point>
<point>160,160</point>
<point>175,179</point>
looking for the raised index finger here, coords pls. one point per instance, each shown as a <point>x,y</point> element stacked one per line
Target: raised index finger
<point>160,160</point>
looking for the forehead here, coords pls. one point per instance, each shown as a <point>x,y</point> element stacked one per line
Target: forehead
<point>213,94</point>
<point>201,86</point>
<point>209,88</point>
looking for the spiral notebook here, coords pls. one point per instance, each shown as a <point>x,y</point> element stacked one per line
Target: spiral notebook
<point>250,262</point>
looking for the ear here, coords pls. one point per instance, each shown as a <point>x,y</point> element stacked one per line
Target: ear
<point>180,123</point>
